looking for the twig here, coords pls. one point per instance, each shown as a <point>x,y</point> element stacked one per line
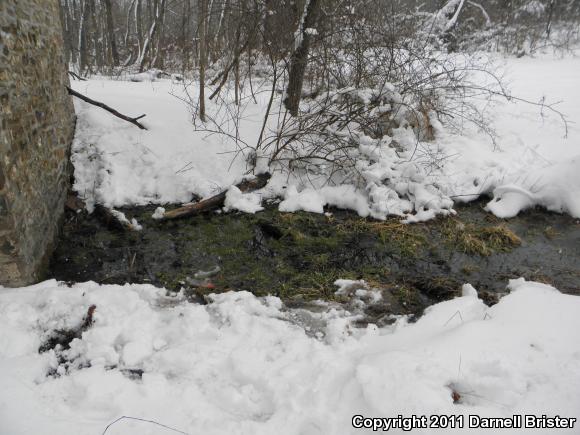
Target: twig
<point>134,121</point>
<point>125,417</point>
<point>88,321</point>
<point>451,318</point>
<point>74,75</point>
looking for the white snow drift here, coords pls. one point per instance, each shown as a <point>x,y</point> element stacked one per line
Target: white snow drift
<point>243,365</point>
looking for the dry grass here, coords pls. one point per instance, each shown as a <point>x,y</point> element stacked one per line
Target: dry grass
<point>407,239</point>
<point>476,240</point>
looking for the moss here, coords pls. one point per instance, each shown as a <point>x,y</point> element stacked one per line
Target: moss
<point>468,269</point>
<point>295,256</point>
<point>407,296</point>
<point>171,281</point>
<point>407,240</point>
<point>540,277</point>
<point>475,239</point>
<point>551,233</point>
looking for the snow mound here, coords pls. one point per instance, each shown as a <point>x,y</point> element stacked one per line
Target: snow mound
<point>556,187</point>
<point>243,365</point>
<point>117,164</point>
<point>246,202</point>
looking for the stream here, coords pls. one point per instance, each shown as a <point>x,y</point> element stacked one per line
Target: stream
<point>299,256</point>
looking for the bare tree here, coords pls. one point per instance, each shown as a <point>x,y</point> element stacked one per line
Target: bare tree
<point>202,7</point>
<point>82,38</point>
<point>153,30</point>
<point>299,58</point>
<point>111,33</point>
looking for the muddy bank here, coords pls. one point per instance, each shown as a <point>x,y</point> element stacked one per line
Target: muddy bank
<point>299,256</point>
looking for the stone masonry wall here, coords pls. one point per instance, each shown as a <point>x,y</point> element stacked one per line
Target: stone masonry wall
<point>36,130</point>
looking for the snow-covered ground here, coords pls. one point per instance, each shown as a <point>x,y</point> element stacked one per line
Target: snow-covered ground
<point>243,365</point>
<point>118,164</point>
<point>531,161</point>
<point>247,365</point>
<point>535,160</point>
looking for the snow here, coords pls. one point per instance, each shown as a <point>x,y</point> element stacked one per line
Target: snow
<point>151,76</point>
<point>348,286</point>
<point>131,224</point>
<point>246,202</point>
<point>118,164</point>
<point>531,162</point>
<point>359,290</point>
<point>159,213</point>
<point>313,200</point>
<point>468,290</point>
<point>247,365</point>
<point>555,187</point>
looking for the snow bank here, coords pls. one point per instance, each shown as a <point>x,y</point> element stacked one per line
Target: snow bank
<point>117,164</point>
<point>530,163</point>
<point>245,365</point>
<point>555,187</point>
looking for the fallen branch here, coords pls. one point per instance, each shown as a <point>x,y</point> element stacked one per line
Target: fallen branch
<point>227,69</point>
<point>74,75</point>
<point>134,121</point>
<point>225,73</point>
<point>216,201</point>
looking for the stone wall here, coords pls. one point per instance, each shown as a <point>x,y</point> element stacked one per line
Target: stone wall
<point>36,130</point>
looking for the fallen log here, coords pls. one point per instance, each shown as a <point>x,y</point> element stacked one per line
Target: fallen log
<point>134,121</point>
<point>216,201</point>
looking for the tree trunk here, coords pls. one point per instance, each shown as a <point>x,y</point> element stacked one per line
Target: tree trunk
<point>139,27</point>
<point>219,25</point>
<point>128,24</point>
<point>111,33</point>
<point>202,56</point>
<point>97,35</point>
<point>82,42</point>
<point>237,68</point>
<point>451,12</point>
<point>550,16</point>
<point>64,11</point>
<point>149,41</point>
<point>184,39</point>
<point>159,59</point>
<point>299,58</point>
